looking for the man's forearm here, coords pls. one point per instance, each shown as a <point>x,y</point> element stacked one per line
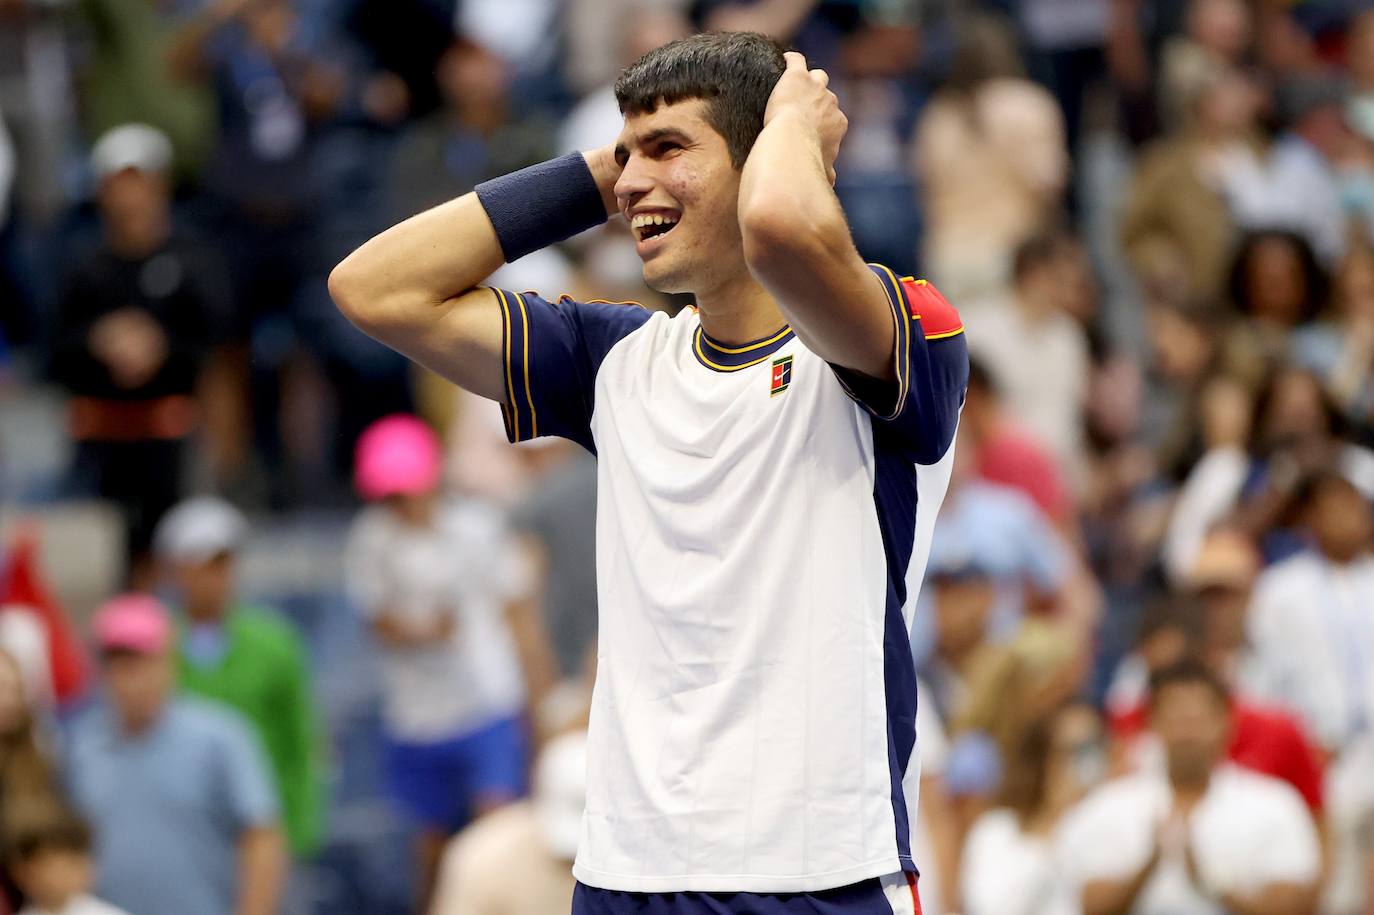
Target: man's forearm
<point>1274,899</point>
<point>412,269</point>
<point>262,870</point>
<point>418,264</point>
<point>790,218</point>
<point>1116,897</point>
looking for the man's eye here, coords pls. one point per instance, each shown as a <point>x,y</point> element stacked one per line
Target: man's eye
<point>666,147</point>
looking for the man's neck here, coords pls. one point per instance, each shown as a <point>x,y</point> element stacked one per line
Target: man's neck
<point>739,311</point>
<point>1190,793</point>
<point>134,728</point>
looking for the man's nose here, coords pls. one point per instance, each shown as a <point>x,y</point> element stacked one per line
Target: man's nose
<point>635,180</point>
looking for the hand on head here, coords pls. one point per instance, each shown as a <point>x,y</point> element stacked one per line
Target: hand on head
<point>806,93</point>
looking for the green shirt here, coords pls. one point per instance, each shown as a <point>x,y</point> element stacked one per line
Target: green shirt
<point>263,674</point>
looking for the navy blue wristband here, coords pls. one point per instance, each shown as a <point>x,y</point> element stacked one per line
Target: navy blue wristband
<point>542,205</point>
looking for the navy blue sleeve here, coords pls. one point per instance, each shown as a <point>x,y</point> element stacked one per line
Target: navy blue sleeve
<point>919,410</point>
<point>552,352</point>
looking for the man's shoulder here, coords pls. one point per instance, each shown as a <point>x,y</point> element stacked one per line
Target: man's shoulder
<point>265,630</point>
<point>197,719</point>
<point>1123,796</point>
<point>1239,791</point>
<point>1297,572</point>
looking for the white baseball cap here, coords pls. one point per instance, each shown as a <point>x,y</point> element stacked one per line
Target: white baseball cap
<point>136,146</point>
<point>199,529</point>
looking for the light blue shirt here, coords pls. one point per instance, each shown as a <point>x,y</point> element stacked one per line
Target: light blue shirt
<point>1012,541</point>
<point>169,806</point>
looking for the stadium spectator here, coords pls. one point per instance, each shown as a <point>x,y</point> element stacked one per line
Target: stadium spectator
<point>1209,623</point>
<point>176,789</point>
<point>1277,286</point>
<point>559,515</point>
<point>1033,568</point>
<point>134,324</point>
<point>1176,223</point>
<point>1340,348</point>
<point>1252,467</point>
<point>51,861</point>
<point>475,135</point>
<point>518,861</point>
<point>1207,837</point>
<point>991,159</point>
<point>125,75</point>
<point>444,590</point>
<point>277,81</point>
<point>1037,352</point>
<point>1350,824</point>
<point>936,838</point>
<point>1297,187</point>
<point>1218,34</point>
<point>28,779</point>
<point>1010,862</point>
<point>244,656</point>
<point>971,676</point>
<point>1004,452</point>
<point>1312,617</point>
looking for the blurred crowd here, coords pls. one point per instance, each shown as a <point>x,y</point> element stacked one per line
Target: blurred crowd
<point>1146,630</point>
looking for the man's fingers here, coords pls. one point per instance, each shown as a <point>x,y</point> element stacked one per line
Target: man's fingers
<point>820,77</point>
<point>795,60</point>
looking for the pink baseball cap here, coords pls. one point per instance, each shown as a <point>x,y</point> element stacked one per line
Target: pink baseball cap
<point>397,455</point>
<point>132,622</point>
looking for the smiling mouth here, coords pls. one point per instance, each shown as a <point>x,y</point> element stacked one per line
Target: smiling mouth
<point>652,225</point>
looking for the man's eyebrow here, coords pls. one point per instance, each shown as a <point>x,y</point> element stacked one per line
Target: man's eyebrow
<point>622,153</point>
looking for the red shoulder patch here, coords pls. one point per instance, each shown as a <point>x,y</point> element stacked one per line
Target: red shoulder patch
<point>938,318</point>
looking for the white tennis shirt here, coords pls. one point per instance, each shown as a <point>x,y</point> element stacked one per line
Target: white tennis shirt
<point>753,720</point>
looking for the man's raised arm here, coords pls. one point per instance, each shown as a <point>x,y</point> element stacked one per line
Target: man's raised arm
<point>414,287</point>
<point>796,239</point>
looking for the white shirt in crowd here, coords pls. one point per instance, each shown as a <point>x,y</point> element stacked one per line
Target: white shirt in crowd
<point>1007,871</point>
<point>465,565</point>
<point>1041,368</point>
<point>1249,831</point>
<point>80,905</point>
<point>933,743</point>
<point>1214,487</point>
<point>1350,819</point>
<point>1312,632</point>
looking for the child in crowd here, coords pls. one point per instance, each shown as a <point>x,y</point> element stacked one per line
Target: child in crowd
<point>444,589</point>
<point>50,859</point>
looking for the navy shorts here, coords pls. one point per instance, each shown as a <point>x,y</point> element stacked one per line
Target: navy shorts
<point>894,895</point>
<point>441,784</point>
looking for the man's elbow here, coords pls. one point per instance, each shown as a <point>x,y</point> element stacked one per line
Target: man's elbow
<point>356,294</point>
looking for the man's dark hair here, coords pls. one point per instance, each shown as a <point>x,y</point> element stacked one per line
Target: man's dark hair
<point>1170,612</point>
<point>1188,672</point>
<point>54,830</point>
<point>1040,249</point>
<point>980,379</point>
<point>733,72</point>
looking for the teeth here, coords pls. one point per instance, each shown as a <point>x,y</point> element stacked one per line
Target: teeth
<point>643,220</point>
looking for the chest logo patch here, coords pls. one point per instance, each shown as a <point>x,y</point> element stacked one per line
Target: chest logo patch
<point>781,377</point>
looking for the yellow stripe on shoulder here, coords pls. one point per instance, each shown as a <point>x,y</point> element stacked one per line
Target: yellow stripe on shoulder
<point>949,333</point>
<point>565,297</point>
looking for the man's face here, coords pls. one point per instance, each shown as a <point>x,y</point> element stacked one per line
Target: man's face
<point>53,877</point>
<point>1342,520</point>
<point>206,586</point>
<point>1224,616</point>
<point>962,607</point>
<point>132,198</point>
<point>680,193</point>
<point>1194,726</point>
<point>139,685</point>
